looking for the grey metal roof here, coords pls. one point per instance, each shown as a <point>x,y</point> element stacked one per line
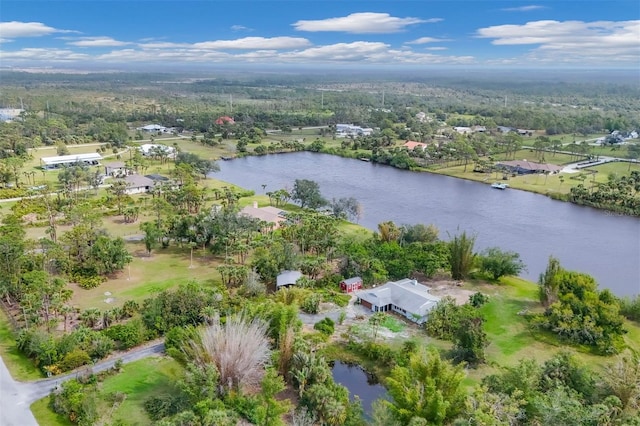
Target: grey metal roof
<point>352,280</point>
<point>287,278</point>
<point>137,181</point>
<point>405,294</point>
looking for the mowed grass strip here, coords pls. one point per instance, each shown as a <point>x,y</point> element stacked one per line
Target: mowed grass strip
<point>20,367</point>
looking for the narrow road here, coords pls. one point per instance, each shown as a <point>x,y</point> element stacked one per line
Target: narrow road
<point>16,397</point>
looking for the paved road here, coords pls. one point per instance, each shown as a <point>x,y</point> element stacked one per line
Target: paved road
<point>17,397</point>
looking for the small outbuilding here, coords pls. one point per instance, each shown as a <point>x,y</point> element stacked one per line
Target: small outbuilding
<point>351,284</point>
<point>287,278</point>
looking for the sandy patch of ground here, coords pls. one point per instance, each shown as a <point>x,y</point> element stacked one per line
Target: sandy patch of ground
<point>443,288</point>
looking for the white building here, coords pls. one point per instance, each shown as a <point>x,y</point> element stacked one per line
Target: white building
<point>152,128</point>
<point>151,149</point>
<point>51,163</point>
<point>7,115</point>
<point>346,130</point>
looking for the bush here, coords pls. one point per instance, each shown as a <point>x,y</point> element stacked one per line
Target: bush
<point>87,282</point>
<point>311,304</point>
<point>74,359</point>
<point>478,299</point>
<point>325,326</point>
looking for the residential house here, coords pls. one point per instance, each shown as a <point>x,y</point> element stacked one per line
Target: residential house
<point>346,130</point>
<point>412,145</point>
<point>523,167</point>
<point>407,297</point>
<point>150,128</point>
<point>115,169</point>
<point>225,120</point>
<point>151,150</point>
<point>272,215</point>
<point>287,278</point>
<point>462,130</point>
<point>351,284</point>
<point>137,184</point>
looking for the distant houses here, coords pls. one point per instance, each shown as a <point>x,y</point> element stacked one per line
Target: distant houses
<point>406,297</point>
<point>137,184</point>
<point>152,128</point>
<point>151,150</point>
<point>221,121</point>
<point>348,130</point>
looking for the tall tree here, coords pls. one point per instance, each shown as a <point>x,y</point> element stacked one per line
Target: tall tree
<point>462,257</point>
<point>307,193</point>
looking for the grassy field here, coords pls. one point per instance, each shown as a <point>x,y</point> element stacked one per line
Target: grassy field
<point>20,367</point>
<point>138,380</point>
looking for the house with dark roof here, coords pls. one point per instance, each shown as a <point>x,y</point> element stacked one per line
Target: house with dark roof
<point>137,184</point>
<point>406,297</point>
<point>524,167</point>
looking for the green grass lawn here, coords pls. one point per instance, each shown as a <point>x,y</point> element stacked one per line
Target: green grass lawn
<point>139,380</point>
<point>20,367</point>
<point>393,324</point>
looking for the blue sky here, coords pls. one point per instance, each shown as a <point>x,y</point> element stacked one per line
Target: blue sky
<point>413,34</point>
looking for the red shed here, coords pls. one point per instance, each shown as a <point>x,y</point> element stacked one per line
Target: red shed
<point>351,284</point>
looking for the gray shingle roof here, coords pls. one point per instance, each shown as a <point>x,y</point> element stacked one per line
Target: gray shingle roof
<point>405,294</point>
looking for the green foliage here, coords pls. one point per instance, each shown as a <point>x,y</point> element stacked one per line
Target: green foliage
<point>461,256</point>
<point>325,326</point>
<point>470,340</point>
<point>128,335</point>
<point>87,282</point>
<point>498,263</point>
<point>311,303</point>
<point>630,308</point>
<point>583,314</point>
<point>428,388</point>
<point>307,193</point>
<point>445,318</point>
<point>74,359</point>
<point>478,299</point>
<point>76,402</point>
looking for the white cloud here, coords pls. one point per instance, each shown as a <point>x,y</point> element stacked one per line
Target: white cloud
<point>572,41</point>
<point>16,29</point>
<point>436,48</point>
<point>425,40</point>
<point>361,23</point>
<point>98,42</point>
<point>255,43</point>
<point>240,28</point>
<point>46,55</point>
<point>528,8</point>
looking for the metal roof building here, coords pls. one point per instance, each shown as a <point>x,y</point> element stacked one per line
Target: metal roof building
<point>50,163</point>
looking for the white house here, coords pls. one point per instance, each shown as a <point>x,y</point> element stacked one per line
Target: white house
<point>406,297</point>
<point>345,130</point>
<point>152,128</point>
<point>150,149</point>
<point>51,163</point>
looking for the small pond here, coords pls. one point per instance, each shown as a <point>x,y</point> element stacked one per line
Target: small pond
<point>360,383</point>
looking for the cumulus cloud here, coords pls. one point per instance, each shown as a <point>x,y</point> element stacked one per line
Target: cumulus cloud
<point>97,42</point>
<point>256,43</point>
<point>16,29</point>
<point>528,8</point>
<point>571,41</point>
<point>362,23</point>
<point>425,40</point>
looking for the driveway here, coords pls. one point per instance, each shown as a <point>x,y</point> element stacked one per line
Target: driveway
<point>16,397</point>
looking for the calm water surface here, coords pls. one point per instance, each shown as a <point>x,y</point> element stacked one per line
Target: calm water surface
<point>359,383</point>
<point>584,239</point>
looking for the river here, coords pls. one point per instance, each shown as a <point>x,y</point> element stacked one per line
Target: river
<point>604,245</point>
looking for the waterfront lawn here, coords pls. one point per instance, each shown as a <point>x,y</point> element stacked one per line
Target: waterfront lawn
<point>139,380</point>
<point>530,155</point>
<point>20,367</point>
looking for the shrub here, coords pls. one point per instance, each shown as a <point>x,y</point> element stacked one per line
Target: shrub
<point>87,282</point>
<point>478,299</point>
<point>74,359</point>
<point>311,304</point>
<point>325,326</point>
